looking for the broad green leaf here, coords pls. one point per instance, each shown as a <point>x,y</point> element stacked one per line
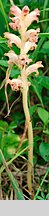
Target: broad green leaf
<point>3,125</point>
<point>4,63</point>
<point>14,73</point>
<point>44,151</point>
<point>43,114</point>
<point>9,143</point>
<point>43,81</point>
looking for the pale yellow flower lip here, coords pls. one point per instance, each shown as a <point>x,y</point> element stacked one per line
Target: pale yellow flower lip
<point>12,38</point>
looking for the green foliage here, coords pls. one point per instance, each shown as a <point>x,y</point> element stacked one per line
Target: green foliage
<point>44,151</point>
<point>43,114</point>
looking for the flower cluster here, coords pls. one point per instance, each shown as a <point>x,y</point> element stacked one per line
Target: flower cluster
<point>27,40</point>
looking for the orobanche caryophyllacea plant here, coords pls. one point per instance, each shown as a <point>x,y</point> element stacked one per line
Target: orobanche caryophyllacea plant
<point>25,42</point>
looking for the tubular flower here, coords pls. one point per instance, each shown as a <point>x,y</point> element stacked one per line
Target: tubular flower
<point>20,60</point>
<point>34,68</point>
<point>13,58</point>
<point>16,84</point>
<point>23,18</point>
<point>29,46</point>
<point>12,38</point>
<point>32,35</point>
<point>31,17</point>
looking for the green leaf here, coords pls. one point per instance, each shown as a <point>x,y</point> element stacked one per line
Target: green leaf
<point>36,88</point>
<point>45,82</point>
<point>14,73</point>
<point>45,48</point>
<point>4,63</point>
<point>43,114</point>
<point>9,144</point>
<point>44,151</point>
<point>2,40</point>
<point>47,196</point>
<point>3,125</point>
<point>32,109</point>
<point>12,125</point>
<point>15,185</point>
<point>40,198</point>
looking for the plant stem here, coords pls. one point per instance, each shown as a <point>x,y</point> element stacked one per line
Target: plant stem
<point>30,132</point>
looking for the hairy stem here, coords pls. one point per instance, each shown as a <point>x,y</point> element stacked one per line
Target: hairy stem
<point>30,133</point>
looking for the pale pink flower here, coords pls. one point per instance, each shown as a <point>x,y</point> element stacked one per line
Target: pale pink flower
<point>19,60</point>
<point>16,84</point>
<point>25,18</point>
<point>12,38</point>
<point>32,35</point>
<point>23,59</point>
<point>16,11</point>
<point>17,21</point>
<point>15,24</point>
<point>31,17</point>
<point>13,58</point>
<point>29,46</point>
<point>34,68</point>
<point>25,10</point>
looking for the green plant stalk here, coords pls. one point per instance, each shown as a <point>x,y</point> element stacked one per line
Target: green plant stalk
<point>30,132</point>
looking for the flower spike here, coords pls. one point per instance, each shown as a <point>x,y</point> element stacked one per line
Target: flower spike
<point>27,41</point>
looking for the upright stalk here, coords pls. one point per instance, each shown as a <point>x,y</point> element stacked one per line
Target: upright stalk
<point>30,132</point>
<point>28,41</point>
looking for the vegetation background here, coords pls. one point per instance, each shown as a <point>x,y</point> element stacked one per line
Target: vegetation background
<point>13,181</point>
